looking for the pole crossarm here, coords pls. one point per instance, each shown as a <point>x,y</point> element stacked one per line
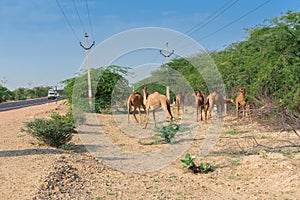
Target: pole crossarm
<point>160,51</point>
<point>87,48</point>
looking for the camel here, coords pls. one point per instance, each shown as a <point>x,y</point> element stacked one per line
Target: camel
<point>154,101</point>
<point>199,99</point>
<point>241,101</point>
<point>212,99</point>
<point>136,100</point>
<point>180,97</point>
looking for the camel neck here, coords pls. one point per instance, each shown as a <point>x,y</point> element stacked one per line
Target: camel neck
<point>145,96</point>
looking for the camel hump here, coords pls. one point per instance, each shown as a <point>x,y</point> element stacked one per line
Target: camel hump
<point>136,93</point>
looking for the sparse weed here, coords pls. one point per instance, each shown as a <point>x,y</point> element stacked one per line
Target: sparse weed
<point>235,132</point>
<point>189,164</point>
<point>235,162</point>
<point>168,132</point>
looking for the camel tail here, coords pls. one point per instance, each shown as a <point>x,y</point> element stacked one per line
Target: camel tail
<point>169,109</point>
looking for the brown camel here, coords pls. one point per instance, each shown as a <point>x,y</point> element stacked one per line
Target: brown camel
<point>136,100</point>
<point>154,101</point>
<point>180,97</point>
<point>241,101</point>
<point>199,99</point>
<point>212,99</point>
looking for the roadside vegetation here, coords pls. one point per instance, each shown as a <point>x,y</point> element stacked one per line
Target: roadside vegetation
<point>55,132</point>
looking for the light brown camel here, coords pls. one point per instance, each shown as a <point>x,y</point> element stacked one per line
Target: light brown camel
<point>154,101</point>
<point>212,99</point>
<point>136,100</point>
<point>199,99</point>
<point>180,97</point>
<point>241,101</point>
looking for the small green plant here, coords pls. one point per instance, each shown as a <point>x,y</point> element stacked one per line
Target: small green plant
<point>56,131</point>
<point>205,168</point>
<point>235,162</point>
<point>189,164</point>
<point>235,132</point>
<point>69,146</point>
<point>188,161</point>
<point>168,132</point>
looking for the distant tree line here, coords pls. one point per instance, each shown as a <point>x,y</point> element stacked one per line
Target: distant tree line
<point>22,93</point>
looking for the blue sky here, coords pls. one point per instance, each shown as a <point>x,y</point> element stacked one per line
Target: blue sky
<point>37,45</point>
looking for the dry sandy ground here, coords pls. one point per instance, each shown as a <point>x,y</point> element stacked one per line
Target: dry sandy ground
<point>246,165</point>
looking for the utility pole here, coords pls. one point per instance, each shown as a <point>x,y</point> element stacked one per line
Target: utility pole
<point>29,83</point>
<point>167,55</point>
<point>87,48</point>
<point>4,81</point>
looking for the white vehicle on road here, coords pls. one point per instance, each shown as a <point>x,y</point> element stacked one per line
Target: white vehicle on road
<point>52,94</point>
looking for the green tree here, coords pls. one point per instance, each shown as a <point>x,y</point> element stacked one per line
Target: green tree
<point>267,64</point>
<point>19,94</point>
<point>104,82</point>
<point>5,94</point>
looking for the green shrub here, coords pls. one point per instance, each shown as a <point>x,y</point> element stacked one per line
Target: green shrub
<point>55,132</point>
<point>168,132</point>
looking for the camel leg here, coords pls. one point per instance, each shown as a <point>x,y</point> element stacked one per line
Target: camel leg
<point>209,109</point>
<point>147,117</point>
<point>134,115</point>
<point>144,107</point>
<point>140,115</point>
<point>197,112</point>
<point>182,106</point>
<point>167,110</point>
<point>201,119</point>
<point>220,110</point>
<point>237,110</point>
<point>248,110</point>
<point>243,108</point>
<point>128,113</point>
<point>200,113</point>
<point>154,117</point>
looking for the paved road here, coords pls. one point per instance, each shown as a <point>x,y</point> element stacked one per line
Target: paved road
<point>21,104</point>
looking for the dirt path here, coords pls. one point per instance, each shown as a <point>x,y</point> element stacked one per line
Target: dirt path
<point>244,170</point>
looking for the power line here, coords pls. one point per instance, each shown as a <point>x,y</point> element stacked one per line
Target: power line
<point>236,20</point>
<point>75,7</point>
<point>90,22</point>
<point>209,18</point>
<point>212,17</point>
<point>68,22</point>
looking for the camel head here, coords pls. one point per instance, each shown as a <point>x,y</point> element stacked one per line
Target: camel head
<point>242,90</point>
<point>144,89</point>
<point>198,93</point>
